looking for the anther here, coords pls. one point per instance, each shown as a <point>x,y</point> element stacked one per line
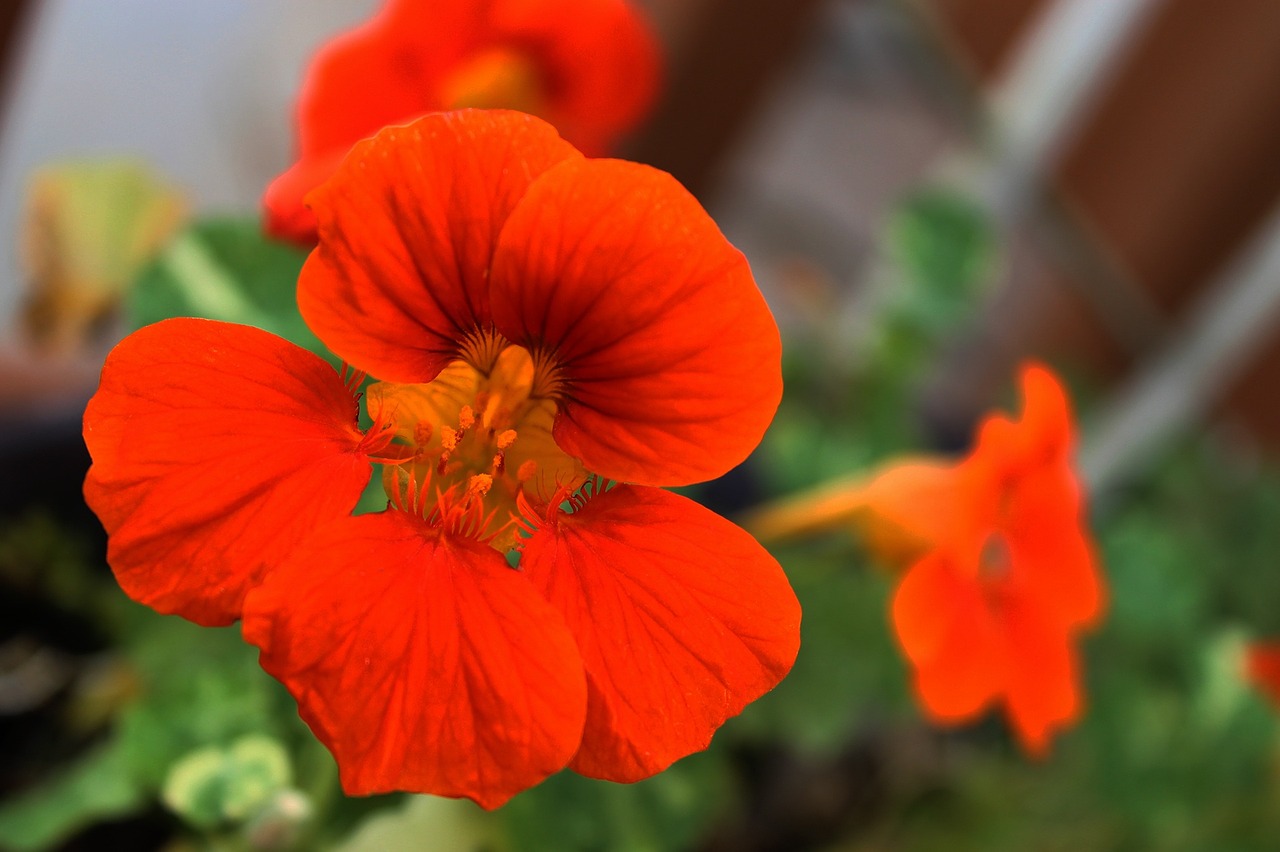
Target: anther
<point>449,439</point>
<point>422,433</point>
<point>466,418</point>
<point>478,486</point>
<point>527,470</point>
<point>506,439</point>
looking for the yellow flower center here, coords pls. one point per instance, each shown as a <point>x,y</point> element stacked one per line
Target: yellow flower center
<point>480,436</point>
<point>498,78</point>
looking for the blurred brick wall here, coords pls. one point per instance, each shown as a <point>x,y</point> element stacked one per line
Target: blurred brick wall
<point>1170,174</point>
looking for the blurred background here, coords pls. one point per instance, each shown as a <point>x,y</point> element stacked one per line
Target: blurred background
<point>1089,182</point>
<point>1122,149</point>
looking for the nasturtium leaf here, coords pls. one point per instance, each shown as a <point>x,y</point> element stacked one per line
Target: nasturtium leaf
<point>224,269</point>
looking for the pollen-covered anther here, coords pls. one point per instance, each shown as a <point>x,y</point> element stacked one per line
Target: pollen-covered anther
<point>527,471</point>
<point>503,442</point>
<point>449,439</point>
<point>448,443</point>
<point>479,485</point>
<point>466,418</point>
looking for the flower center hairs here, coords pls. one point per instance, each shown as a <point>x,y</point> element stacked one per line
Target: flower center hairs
<point>480,438</point>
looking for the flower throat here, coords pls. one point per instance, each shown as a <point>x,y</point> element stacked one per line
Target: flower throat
<point>477,441</point>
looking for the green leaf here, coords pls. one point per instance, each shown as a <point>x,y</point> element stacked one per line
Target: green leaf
<point>427,822</point>
<point>225,269</point>
<point>99,786</point>
<point>945,246</point>
<point>668,811</point>
<point>202,687</point>
<point>848,668</point>
<point>213,785</point>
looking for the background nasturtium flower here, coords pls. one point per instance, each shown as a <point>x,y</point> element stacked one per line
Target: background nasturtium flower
<point>1004,572</point>
<point>590,67</point>
<point>545,324</point>
<point>1262,668</point>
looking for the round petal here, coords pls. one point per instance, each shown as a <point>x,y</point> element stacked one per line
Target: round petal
<point>1050,548</point>
<point>407,231</point>
<point>216,448</point>
<point>386,71</point>
<point>1041,692</point>
<point>421,660</point>
<point>948,633</point>
<point>669,357</point>
<point>681,618</point>
<point>286,217</point>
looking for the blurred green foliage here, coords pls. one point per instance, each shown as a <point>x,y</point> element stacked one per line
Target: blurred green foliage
<point>944,251</point>
<point>225,269</point>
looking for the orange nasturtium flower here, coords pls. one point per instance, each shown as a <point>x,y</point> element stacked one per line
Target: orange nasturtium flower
<point>546,324</point>
<point>1262,669</point>
<point>590,67</point>
<point>1002,572</point>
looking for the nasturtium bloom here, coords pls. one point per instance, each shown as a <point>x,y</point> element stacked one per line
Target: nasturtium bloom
<point>590,67</point>
<point>1002,573</point>
<point>557,336</point>
<point>1262,669</point>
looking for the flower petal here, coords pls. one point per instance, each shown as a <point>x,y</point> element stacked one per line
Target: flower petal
<point>1262,668</point>
<point>1028,467</point>
<point>1041,694</point>
<point>947,632</point>
<point>600,57</point>
<point>670,359</point>
<point>1050,547</point>
<point>385,71</point>
<point>907,508</point>
<point>421,660</point>
<point>1042,435</point>
<point>1046,413</point>
<point>681,618</point>
<point>408,224</point>
<point>286,217</point>
<point>216,448</point>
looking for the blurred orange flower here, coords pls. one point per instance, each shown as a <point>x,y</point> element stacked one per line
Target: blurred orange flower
<point>590,67</point>
<point>1003,572</point>
<point>1262,669</point>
